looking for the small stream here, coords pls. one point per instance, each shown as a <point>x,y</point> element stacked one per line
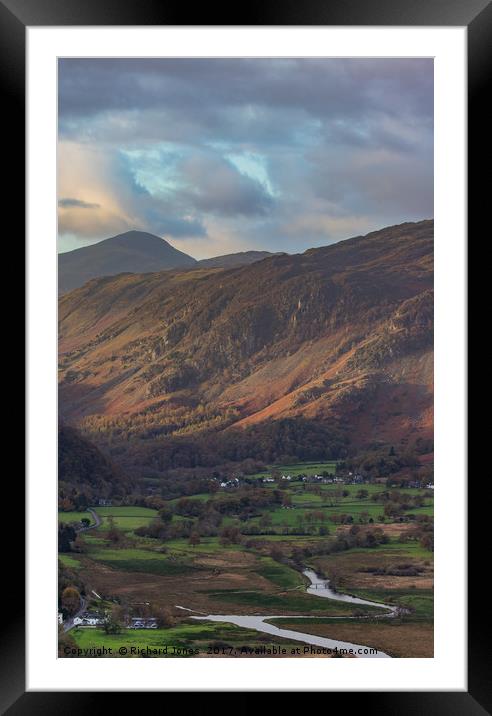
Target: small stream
<point>318,588</point>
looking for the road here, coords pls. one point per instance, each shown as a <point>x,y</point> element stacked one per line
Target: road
<point>68,624</point>
<point>95,517</point>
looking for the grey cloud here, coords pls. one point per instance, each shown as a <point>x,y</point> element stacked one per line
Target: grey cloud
<point>69,203</point>
<point>155,218</point>
<point>321,87</point>
<point>347,145</point>
<point>214,185</point>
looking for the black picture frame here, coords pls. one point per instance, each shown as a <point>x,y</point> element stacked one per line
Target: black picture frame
<point>476,15</point>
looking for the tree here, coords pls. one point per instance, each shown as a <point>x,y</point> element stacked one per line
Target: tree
<point>112,625</point>
<point>229,535</point>
<point>165,619</point>
<point>114,535</point>
<point>119,613</point>
<point>66,535</point>
<point>66,505</point>
<point>194,539</point>
<point>70,599</point>
<point>67,646</point>
<point>336,578</point>
<point>166,515</point>
<point>427,541</point>
<point>276,553</point>
<point>361,494</point>
<point>78,544</point>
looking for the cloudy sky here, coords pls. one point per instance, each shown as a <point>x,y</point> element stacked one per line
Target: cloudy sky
<point>223,155</point>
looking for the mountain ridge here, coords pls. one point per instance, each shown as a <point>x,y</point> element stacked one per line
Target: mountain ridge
<point>137,252</point>
<point>339,335</point>
<point>240,258</point>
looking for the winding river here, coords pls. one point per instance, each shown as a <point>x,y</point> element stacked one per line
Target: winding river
<point>318,588</point>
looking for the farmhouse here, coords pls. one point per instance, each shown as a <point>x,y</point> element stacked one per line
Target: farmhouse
<point>234,482</point>
<point>89,619</point>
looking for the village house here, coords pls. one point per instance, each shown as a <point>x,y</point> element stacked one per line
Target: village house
<point>357,479</point>
<point>234,482</point>
<point>89,619</point>
<point>143,623</point>
<point>60,618</point>
<point>102,502</point>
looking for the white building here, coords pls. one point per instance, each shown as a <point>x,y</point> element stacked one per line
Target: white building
<point>143,623</point>
<point>89,619</point>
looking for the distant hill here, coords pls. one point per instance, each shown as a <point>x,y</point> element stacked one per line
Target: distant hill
<point>242,258</point>
<point>133,251</point>
<point>178,372</point>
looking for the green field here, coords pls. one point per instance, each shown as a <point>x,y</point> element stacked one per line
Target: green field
<point>294,601</point>
<point>125,519</point>
<point>74,517</point>
<point>201,636</point>
<point>141,560</point>
<point>69,561</point>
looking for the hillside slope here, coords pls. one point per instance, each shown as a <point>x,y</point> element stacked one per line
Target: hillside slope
<point>242,258</point>
<point>339,335</point>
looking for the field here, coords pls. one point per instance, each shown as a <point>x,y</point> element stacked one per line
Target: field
<point>189,639</point>
<point>69,561</point>
<point>125,518</point>
<point>74,517</point>
<point>396,639</point>
<point>258,570</point>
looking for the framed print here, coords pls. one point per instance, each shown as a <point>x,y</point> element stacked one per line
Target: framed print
<point>246,351</point>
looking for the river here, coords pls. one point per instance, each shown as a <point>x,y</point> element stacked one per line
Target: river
<point>318,588</point>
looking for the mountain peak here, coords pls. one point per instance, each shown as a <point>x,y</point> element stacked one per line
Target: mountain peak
<point>136,235</point>
<point>132,251</point>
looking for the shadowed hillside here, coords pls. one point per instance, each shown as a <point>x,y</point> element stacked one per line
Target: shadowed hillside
<point>82,468</point>
<point>339,337</point>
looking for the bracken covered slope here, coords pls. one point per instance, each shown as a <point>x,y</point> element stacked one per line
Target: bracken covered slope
<point>342,333</point>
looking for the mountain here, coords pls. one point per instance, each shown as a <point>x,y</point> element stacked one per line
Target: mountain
<point>177,369</point>
<point>242,258</point>
<point>135,251</point>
